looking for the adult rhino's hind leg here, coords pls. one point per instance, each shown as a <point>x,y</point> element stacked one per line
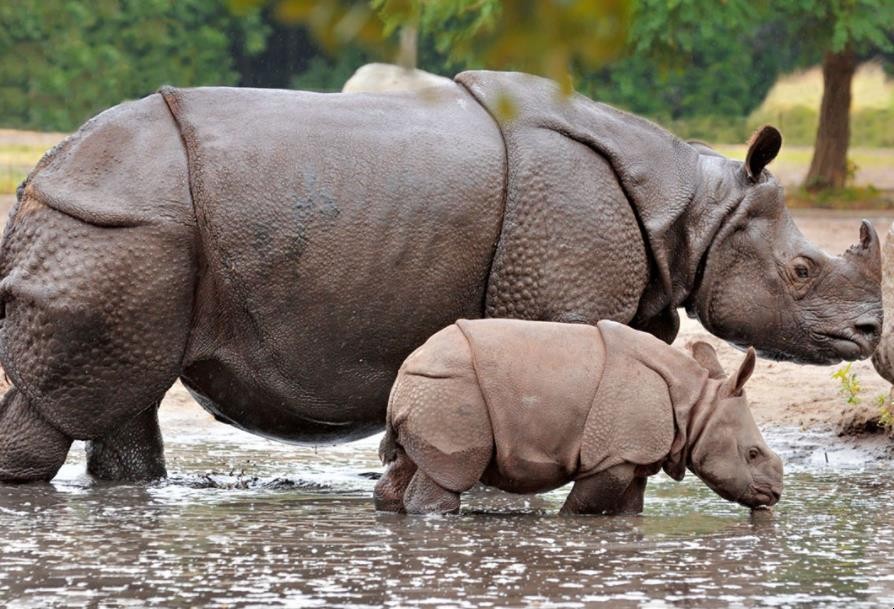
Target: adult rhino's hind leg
<point>96,324</point>
<point>30,448</point>
<point>132,453</point>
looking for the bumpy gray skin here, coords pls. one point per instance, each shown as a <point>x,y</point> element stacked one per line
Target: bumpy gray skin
<point>282,252</point>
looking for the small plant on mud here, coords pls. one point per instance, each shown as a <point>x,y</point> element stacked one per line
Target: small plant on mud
<point>886,412</point>
<point>849,388</point>
<point>850,385</point>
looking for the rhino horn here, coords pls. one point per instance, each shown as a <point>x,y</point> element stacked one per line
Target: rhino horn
<point>867,253</point>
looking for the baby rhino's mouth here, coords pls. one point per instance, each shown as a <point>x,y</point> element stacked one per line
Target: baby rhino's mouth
<point>764,495</point>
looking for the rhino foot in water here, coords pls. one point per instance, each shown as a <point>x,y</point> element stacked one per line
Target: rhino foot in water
<point>283,252</point>
<point>530,406</point>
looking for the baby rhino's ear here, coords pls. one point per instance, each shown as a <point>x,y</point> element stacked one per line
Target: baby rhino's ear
<point>736,382</point>
<point>705,355</point>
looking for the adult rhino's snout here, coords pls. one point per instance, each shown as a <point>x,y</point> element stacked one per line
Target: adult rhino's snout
<point>867,330</point>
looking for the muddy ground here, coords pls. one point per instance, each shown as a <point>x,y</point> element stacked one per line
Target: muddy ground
<point>781,394</point>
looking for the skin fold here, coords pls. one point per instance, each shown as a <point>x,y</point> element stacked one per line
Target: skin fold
<point>530,406</point>
<point>282,252</point>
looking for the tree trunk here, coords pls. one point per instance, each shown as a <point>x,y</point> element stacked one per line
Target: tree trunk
<point>409,46</point>
<point>828,169</point>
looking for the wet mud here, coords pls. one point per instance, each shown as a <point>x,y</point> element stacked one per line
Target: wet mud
<point>244,522</point>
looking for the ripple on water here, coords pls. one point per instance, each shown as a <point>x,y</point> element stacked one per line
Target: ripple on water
<point>245,523</point>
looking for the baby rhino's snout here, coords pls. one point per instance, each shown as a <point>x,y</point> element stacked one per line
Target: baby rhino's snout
<point>766,489</point>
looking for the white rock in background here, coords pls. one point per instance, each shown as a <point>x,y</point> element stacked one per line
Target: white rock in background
<point>389,78</point>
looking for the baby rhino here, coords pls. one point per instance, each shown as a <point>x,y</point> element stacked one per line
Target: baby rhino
<point>529,406</point>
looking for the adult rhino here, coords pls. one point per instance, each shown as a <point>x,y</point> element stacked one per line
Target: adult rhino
<point>282,252</point>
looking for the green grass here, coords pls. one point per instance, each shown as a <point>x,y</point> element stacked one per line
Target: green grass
<point>801,155</point>
<point>792,105</point>
<point>850,197</point>
<point>10,180</point>
<point>871,89</point>
<point>19,152</point>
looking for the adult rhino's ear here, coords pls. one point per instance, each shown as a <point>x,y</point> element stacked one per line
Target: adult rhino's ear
<point>763,148</point>
<point>706,356</point>
<point>736,382</point>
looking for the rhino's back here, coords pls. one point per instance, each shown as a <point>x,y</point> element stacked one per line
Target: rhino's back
<point>337,233</point>
<point>538,380</point>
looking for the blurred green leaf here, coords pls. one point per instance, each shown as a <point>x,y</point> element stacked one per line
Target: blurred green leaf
<point>540,36</point>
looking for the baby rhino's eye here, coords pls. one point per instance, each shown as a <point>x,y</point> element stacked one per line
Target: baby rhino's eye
<point>753,453</point>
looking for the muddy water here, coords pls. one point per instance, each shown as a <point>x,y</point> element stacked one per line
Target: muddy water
<point>244,522</point>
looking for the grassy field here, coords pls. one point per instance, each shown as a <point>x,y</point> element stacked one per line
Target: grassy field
<point>19,152</point>
<point>871,89</point>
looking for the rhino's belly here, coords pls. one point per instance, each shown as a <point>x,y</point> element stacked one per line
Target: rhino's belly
<point>233,396</point>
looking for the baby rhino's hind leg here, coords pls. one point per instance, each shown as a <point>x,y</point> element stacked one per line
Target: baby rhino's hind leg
<point>425,496</point>
<point>389,492</point>
<point>30,448</point>
<point>132,453</point>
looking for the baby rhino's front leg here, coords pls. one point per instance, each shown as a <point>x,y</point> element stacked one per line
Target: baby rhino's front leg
<point>616,490</point>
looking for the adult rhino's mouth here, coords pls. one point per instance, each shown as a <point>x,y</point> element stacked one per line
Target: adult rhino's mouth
<point>848,346</point>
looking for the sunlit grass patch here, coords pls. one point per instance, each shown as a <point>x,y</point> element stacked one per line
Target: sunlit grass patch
<point>850,197</point>
<point>19,152</point>
<point>10,180</point>
<point>793,104</point>
<point>871,89</point>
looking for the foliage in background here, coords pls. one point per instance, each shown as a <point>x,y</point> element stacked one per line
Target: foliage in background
<point>62,61</point>
<point>822,26</point>
<point>840,33</point>
<point>681,57</point>
<point>540,36</point>
<point>699,67</point>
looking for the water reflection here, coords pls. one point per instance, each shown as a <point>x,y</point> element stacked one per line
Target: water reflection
<point>248,523</point>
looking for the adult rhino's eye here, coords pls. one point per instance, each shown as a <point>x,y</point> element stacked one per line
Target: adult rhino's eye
<point>802,271</point>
